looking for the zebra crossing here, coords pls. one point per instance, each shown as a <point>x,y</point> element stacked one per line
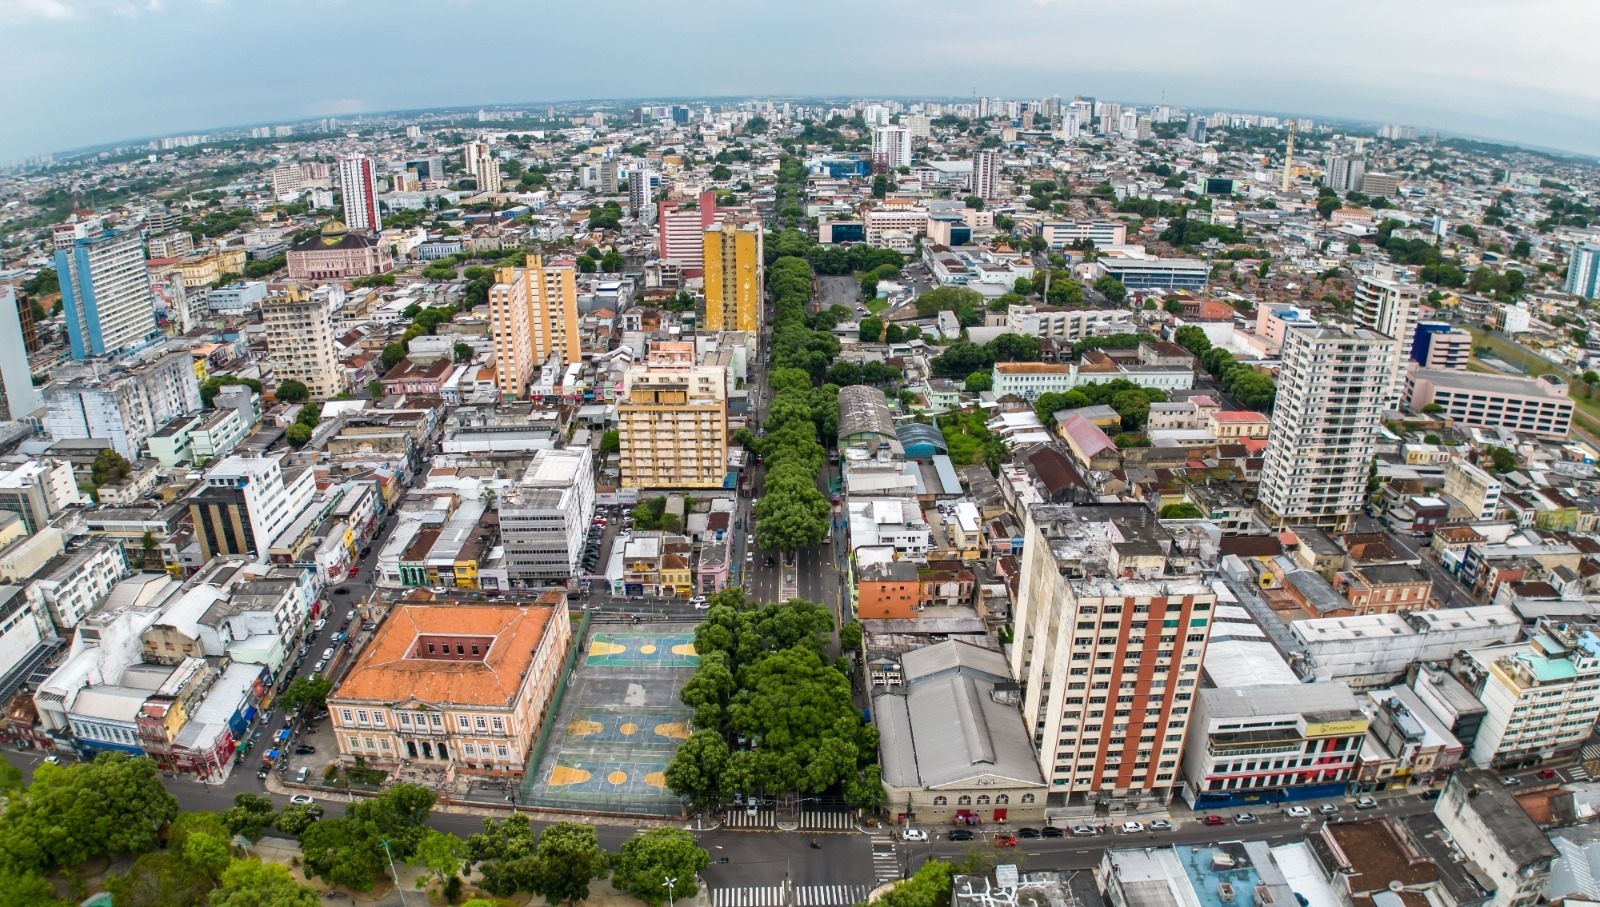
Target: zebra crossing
<point>738,817</point>
<point>804,896</point>
<point>1584,771</point>
<point>885,860</point>
<point>827,820</point>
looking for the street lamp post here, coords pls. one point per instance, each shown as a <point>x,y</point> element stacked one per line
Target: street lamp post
<point>670,882</point>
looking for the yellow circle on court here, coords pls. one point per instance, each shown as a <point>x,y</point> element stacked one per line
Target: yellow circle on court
<point>647,650</point>
<point>618,778</point>
<point>629,729</point>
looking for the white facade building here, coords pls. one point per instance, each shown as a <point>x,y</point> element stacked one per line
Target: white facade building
<point>891,147</point>
<point>544,519</point>
<point>1542,696</point>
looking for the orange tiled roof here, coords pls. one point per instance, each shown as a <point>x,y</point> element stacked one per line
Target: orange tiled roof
<point>383,673</point>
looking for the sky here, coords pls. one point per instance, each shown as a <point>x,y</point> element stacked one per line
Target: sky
<point>89,72</point>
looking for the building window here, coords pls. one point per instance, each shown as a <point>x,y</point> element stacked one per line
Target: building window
<point>464,723</point>
<point>345,714</point>
<point>1002,799</point>
<point>963,800</point>
<point>1027,798</point>
<point>940,801</point>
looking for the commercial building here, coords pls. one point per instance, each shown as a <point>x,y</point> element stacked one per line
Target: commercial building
<point>1583,271</point>
<point>1478,491</point>
<point>18,396</point>
<point>1439,345</point>
<point>1508,852</point>
<point>734,269</point>
<point>672,420</point>
<point>1272,744</point>
<point>483,167</point>
<point>1539,406</point>
<point>338,253</point>
<point>459,688</point>
<point>121,403</point>
<point>1375,650</point>
<point>953,747</point>
<point>105,294</point>
<point>1386,305</point>
<point>681,230</point>
<point>986,173</point>
<point>358,187</point>
<point>1380,185</point>
<point>544,519</point>
<point>533,315</point>
<point>1108,646</point>
<point>300,341</point>
<point>1542,695</point>
<point>38,490</point>
<point>1325,425</point>
<point>1100,232</point>
<point>891,148</point>
<point>1029,380</point>
<point>246,503</point>
<point>1066,324</point>
<point>1138,271</point>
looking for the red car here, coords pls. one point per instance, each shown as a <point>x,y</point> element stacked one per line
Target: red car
<point>1215,820</point>
<point>1545,774</point>
<point>1005,839</point>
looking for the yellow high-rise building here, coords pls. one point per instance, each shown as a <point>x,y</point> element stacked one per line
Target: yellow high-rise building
<point>533,314</point>
<point>672,421</point>
<point>734,277</point>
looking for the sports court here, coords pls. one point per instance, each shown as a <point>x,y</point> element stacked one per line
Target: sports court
<point>663,650</point>
<point>619,724</point>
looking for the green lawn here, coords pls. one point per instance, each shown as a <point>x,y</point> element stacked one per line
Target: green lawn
<point>876,305</point>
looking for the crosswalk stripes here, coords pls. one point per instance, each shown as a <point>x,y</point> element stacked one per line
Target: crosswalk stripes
<point>827,821</point>
<point>1590,753</point>
<point>739,818</point>
<point>748,896</point>
<point>885,861</point>
<point>1584,771</point>
<point>830,895</point>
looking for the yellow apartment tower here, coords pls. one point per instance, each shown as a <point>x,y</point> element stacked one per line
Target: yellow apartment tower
<point>533,315</point>
<point>734,270</point>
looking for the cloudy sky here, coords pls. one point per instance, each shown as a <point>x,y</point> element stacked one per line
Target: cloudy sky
<point>82,72</point>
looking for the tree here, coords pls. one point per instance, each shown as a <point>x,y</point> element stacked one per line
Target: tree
<point>210,387</point>
<point>252,883</point>
<point>309,415</point>
<point>114,805</point>
<point>1433,409</point>
<point>1173,306</point>
<point>1328,204</point>
<point>1111,288</point>
<point>570,858</point>
<point>850,637</point>
<point>298,435</point>
<point>1501,460</point>
<point>1065,290</point>
<point>978,382</point>
<point>391,355</point>
<point>1183,511</point>
<point>1014,348</point>
<point>611,442</point>
<point>698,769</point>
<point>162,879</point>
<point>504,854</point>
<point>647,860</point>
<point>249,816</point>
<point>307,692</point>
<point>27,889</point>
<point>292,391</point>
<point>871,329</point>
<point>612,262</point>
<point>880,186</point>
<point>441,853</point>
<point>463,352</point>
<point>109,468</point>
<point>1193,339</point>
<point>344,852</point>
<point>297,817</point>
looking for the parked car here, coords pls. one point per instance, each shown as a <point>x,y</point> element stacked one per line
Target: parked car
<point>914,834</point>
<point>1297,812</point>
<point>1050,831</point>
<point>1161,825</point>
<point>1005,839</point>
<point>1545,774</point>
<point>327,653</point>
<point>305,749</point>
<point>698,601</point>
<point>1328,809</point>
<point>1511,781</point>
<point>317,668</point>
<point>1027,832</point>
<point>1129,828</point>
<point>1214,819</point>
<point>1366,803</point>
<point>1083,831</point>
<point>317,627</point>
<point>342,590</point>
<point>961,834</point>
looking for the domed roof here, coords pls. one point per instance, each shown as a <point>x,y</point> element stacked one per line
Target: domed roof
<point>334,228</point>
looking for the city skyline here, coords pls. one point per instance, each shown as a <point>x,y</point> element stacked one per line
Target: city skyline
<point>1530,90</point>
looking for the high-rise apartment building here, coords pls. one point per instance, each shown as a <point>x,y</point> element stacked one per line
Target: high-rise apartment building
<point>484,168</point>
<point>672,421</point>
<point>1583,271</point>
<point>1109,639</point>
<point>358,183</point>
<point>610,176</point>
<point>891,148</point>
<point>1343,174</point>
<point>125,405</point>
<point>1380,184</point>
<point>642,193</point>
<point>986,174</point>
<point>1386,304</point>
<point>105,294</point>
<point>681,229</point>
<point>1196,130</point>
<point>246,503</point>
<point>1332,390</point>
<point>734,277</point>
<point>300,341</point>
<point>18,396</point>
<point>533,315</point>
<point>285,180</point>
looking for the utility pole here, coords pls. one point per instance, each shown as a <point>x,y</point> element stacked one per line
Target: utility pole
<point>394,872</point>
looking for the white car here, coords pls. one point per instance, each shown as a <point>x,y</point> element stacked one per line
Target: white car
<point>327,653</point>
<point>317,668</point>
<point>302,800</point>
<point>319,625</point>
<point>915,834</point>
<point>1297,812</point>
<point>1366,803</point>
<point>1129,828</point>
